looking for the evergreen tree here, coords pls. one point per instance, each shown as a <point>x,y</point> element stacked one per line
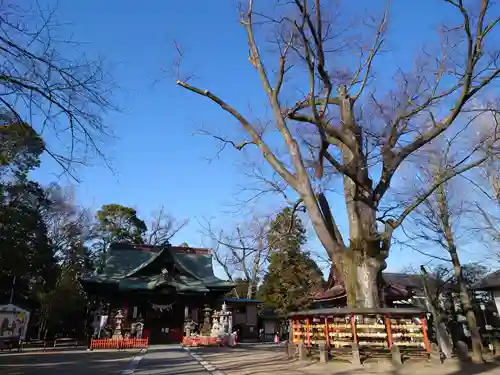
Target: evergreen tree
<point>292,276</point>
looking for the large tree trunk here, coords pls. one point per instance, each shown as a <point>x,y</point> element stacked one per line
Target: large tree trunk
<point>361,267</point>
<point>363,262</point>
<point>250,290</point>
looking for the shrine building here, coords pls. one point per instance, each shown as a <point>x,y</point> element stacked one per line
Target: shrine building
<point>160,287</point>
<point>397,289</point>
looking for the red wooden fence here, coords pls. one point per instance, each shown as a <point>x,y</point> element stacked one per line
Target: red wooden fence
<point>119,343</point>
<point>205,341</point>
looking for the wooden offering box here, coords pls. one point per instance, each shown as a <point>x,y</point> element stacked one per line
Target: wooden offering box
<point>367,331</point>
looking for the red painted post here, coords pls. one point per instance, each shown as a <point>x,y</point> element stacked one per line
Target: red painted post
<point>308,333</point>
<point>353,326</point>
<point>389,330</point>
<point>327,335</point>
<point>426,337</point>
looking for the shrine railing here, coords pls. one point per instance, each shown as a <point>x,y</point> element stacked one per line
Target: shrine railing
<point>194,341</point>
<point>119,343</point>
<point>360,332</point>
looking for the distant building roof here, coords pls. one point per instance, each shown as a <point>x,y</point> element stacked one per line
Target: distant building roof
<point>398,286</point>
<point>139,267</point>
<point>489,282</point>
<point>404,280</point>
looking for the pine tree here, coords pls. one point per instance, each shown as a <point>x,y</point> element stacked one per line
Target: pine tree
<point>292,276</point>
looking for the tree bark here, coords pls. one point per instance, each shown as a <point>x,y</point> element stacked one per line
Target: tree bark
<point>445,219</point>
<point>364,259</point>
<point>477,344</point>
<point>361,263</point>
<point>360,273</point>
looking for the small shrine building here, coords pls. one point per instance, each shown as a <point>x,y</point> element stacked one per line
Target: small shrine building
<point>158,287</point>
<point>397,289</point>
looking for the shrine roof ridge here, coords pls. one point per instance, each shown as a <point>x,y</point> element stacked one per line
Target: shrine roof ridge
<point>190,250</point>
<point>158,248</point>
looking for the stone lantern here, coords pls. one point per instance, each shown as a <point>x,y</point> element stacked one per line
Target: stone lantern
<point>117,333</point>
<point>206,328</point>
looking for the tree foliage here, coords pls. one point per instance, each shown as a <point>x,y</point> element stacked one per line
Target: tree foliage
<point>286,231</point>
<point>20,147</point>
<point>117,223</point>
<point>25,249</point>
<point>292,276</point>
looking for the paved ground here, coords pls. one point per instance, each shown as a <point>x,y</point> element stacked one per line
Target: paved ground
<point>256,359</point>
<point>65,362</point>
<point>169,360</point>
<point>263,359</point>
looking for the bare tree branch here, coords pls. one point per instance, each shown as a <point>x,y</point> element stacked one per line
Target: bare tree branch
<point>163,227</point>
<point>437,221</point>
<point>358,129</point>
<point>38,85</point>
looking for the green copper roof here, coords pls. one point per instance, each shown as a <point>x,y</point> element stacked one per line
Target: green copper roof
<point>127,267</point>
<point>125,262</point>
<point>200,267</point>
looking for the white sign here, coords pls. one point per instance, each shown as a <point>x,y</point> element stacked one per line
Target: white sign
<point>102,322</point>
<point>13,321</point>
<point>496,297</point>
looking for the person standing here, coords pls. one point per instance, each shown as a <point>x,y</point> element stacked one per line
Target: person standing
<point>261,334</point>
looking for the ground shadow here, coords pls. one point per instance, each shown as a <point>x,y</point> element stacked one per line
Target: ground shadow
<point>250,362</point>
<point>65,362</point>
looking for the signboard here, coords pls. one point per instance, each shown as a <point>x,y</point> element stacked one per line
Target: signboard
<point>496,297</point>
<point>102,322</point>
<point>13,321</point>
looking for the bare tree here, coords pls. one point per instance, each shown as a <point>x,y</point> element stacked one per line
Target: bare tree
<point>438,222</point>
<point>360,131</point>
<point>242,254</point>
<point>70,227</point>
<point>488,206</point>
<point>56,94</point>
<point>163,227</point>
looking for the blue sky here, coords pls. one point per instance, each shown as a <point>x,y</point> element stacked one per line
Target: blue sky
<point>155,157</point>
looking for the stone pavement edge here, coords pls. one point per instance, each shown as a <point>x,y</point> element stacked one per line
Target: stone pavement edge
<point>134,362</point>
<point>171,360</point>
